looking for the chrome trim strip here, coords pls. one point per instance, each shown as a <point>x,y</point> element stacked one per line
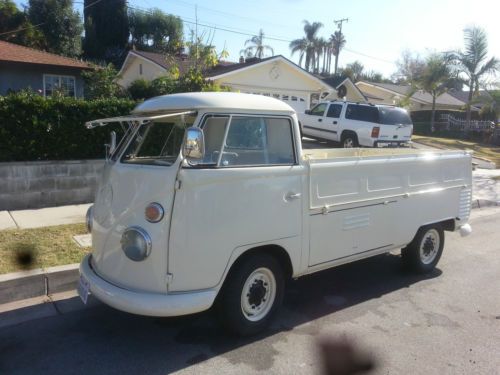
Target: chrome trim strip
<point>402,195</point>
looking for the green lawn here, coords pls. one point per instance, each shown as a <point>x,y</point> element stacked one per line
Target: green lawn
<point>480,150</point>
<point>22,249</point>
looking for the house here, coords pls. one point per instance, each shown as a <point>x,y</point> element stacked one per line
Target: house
<point>274,76</point>
<point>22,68</point>
<point>392,94</point>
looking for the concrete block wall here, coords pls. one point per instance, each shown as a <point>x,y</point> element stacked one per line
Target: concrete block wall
<point>38,184</point>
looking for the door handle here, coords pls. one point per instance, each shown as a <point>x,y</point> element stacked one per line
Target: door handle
<point>320,119</point>
<point>335,123</point>
<point>290,196</point>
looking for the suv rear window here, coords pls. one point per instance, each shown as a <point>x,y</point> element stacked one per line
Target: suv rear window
<point>394,116</point>
<point>362,113</point>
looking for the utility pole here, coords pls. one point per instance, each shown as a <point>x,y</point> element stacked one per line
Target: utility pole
<point>339,25</point>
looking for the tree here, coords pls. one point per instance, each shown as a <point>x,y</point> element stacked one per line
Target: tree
<point>473,62</point>
<point>409,66</point>
<point>156,31</point>
<point>60,25</point>
<point>307,46</point>
<point>12,19</point>
<point>338,42</point>
<point>433,79</point>
<point>106,30</point>
<point>256,46</point>
<point>100,83</point>
<point>354,71</point>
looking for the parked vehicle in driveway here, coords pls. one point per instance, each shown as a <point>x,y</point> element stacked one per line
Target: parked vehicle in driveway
<point>209,199</point>
<point>357,124</point>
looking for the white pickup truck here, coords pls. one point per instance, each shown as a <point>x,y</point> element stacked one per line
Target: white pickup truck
<point>209,199</point>
<point>357,124</point>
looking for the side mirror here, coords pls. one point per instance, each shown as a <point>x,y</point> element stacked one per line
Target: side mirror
<point>194,144</point>
<point>307,111</point>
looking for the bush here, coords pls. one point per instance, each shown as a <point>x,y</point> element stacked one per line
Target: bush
<point>191,81</point>
<point>38,128</point>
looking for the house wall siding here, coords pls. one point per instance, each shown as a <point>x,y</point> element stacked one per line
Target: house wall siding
<point>150,71</point>
<point>20,76</point>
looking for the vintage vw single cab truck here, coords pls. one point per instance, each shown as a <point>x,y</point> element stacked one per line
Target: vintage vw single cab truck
<point>209,199</point>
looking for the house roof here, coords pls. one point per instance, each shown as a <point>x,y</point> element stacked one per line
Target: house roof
<point>226,68</point>
<point>483,96</point>
<point>10,52</point>
<point>419,96</point>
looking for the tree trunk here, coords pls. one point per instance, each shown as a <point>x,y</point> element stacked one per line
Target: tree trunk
<point>468,111</point>
<point>433,113</point>
<point>336,62</point>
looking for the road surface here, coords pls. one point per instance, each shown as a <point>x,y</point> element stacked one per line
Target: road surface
<point>444,323</point>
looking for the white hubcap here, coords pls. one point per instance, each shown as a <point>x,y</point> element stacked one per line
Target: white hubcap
<point>258,294</point>
<point>429,246</point>
<point>348,143</point>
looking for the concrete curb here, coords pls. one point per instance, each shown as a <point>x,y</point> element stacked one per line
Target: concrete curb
<point>39,282</point>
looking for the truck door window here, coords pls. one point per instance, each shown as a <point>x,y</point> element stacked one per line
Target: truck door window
<point>258,141</point>
<point>319,110</point>
<point>362,113</point>
<point>334,110</point>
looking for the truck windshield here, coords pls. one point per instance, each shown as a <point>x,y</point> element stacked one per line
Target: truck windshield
<point>158,142</point>
<point>394,116</point>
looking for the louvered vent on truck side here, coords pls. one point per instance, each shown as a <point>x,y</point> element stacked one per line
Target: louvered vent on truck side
<point>465,204</point>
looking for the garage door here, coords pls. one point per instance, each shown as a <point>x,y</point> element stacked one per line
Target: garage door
<point>293,100</point>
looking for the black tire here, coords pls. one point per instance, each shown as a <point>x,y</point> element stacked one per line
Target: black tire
<point>349,140</point>
<point>231,305</point>
<point>423,253</point>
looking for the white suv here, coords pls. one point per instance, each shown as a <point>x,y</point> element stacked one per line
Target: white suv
<point>357,124</point>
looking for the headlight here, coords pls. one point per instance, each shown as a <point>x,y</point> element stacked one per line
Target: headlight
<point>89,217</point>
<point>136,243</point>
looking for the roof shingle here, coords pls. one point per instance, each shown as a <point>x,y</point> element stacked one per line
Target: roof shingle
<point>10,52</point>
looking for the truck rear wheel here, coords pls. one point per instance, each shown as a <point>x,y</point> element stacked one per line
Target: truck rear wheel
<point>252,294</point>
<point>424,252</point>
<point>349,140</point>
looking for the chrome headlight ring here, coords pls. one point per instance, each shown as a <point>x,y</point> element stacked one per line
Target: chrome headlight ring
<point>136,243</point>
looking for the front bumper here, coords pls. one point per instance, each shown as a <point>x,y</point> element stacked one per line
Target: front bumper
<point>143,303</point>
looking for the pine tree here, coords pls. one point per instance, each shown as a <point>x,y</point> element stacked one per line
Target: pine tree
<point>106,30</point>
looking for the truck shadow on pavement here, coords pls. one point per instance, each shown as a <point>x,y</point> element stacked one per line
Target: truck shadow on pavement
<point>104,340</point>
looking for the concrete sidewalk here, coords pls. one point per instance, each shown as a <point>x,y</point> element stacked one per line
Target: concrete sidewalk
<point>43,217</point>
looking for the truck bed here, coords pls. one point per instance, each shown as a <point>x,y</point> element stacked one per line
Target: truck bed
<point>378,198</point>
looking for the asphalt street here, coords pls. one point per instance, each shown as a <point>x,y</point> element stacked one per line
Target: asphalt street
<point>444,323</point>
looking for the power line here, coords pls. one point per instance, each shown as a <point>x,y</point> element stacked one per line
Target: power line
<point>227,29</point>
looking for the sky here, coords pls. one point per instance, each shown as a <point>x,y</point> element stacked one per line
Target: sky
<point>377,31</point>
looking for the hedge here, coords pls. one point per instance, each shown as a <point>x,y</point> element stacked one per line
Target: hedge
<point>37,128</point>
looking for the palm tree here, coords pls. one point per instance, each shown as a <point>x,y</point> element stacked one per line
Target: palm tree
<point>473,61</point>
<point>434,79</point>
<point>338,42</point>
<point>257,47</point>
<point>307,46</point>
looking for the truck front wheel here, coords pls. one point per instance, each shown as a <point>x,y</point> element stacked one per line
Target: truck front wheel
<point>424,252</point>
<point>252,294</point>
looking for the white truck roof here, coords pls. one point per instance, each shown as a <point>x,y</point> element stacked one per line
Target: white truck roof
<point>213,100</point>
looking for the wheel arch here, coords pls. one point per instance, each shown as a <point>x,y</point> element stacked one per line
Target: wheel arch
<point>275,250</point>
<point>345,132</point>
